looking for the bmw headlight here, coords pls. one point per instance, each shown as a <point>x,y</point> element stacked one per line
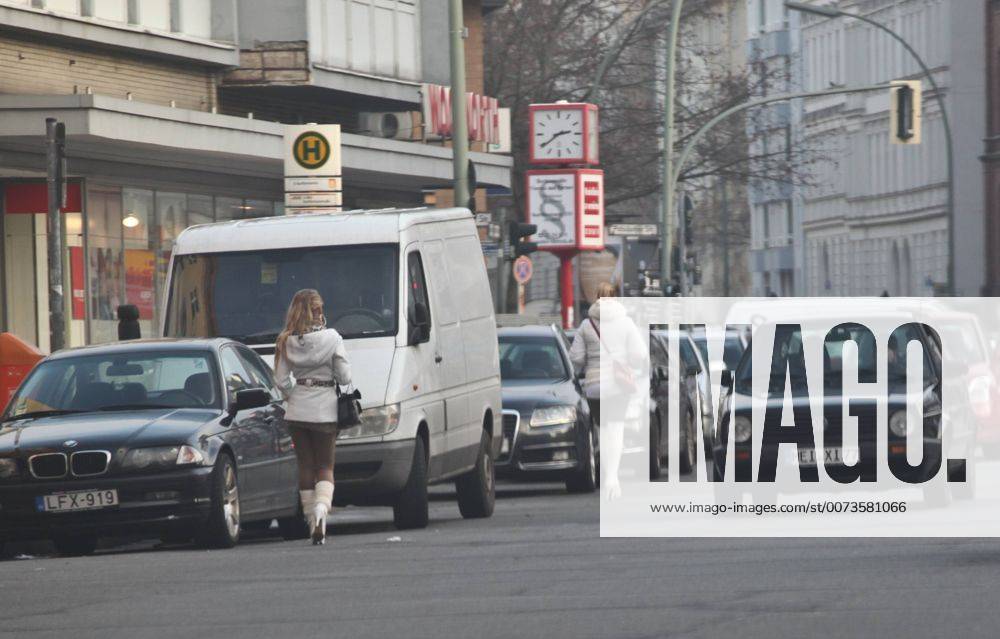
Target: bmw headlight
<point>8,468</point>
<point>552,415</point>
<point>742,429</point>
<point>161,457</point>
<point>374,423</point>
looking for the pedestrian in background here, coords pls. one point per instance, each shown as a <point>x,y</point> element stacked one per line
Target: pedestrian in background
<point>590,352</point>
<point>315,356</point>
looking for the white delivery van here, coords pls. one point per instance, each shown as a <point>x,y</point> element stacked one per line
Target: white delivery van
<point>408,291</point>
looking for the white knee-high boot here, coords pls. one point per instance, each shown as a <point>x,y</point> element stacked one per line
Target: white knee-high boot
<point>324,501</point>
<point>308,499</point>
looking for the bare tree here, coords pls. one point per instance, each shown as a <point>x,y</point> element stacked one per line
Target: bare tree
<point>611,52</point>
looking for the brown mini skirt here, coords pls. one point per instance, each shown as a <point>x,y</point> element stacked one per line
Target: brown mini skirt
<point>330,428</point>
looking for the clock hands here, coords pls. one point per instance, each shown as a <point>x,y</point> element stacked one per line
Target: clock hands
<point>553,138</point>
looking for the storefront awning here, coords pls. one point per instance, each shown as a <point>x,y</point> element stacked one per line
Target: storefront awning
<point>115,130</point>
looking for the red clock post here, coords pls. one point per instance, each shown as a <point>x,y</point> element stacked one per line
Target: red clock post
<point>565,203</point>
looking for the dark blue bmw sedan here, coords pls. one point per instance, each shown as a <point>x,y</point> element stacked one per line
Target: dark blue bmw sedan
<point>180,439</point>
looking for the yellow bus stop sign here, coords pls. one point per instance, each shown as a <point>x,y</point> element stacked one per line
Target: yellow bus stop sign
<point>311,150</point>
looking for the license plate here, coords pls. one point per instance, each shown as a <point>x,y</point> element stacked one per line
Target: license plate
<point>77,500</point>
<point>838,455</point>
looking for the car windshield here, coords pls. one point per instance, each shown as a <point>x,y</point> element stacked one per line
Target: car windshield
<point>119,381</point>
<point>244,296</point>
<point>537,358</point>
<point>834,357</point>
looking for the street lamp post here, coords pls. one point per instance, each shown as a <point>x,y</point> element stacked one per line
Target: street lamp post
<point>668,214</point>
<point>832,12</point>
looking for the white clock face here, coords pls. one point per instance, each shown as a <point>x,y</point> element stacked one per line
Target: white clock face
<point>558,134</point>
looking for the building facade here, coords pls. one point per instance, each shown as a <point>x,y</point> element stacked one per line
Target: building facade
<point>871,217</point>
<point>717,251</point>
<point>991,154</point>
<point>776,254</point>
<point>175,114</point>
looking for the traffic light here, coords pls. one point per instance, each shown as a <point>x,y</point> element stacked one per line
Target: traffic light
<point>905,110</point>
<point>516,232</point>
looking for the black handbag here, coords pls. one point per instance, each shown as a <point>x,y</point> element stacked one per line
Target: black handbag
<point>348,408</point>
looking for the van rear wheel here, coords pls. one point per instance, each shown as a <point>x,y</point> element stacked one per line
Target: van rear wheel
<point>477,488</point>
<point>411,508</point>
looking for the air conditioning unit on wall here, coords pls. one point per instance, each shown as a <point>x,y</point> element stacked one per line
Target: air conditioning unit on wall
<point>399,125</point>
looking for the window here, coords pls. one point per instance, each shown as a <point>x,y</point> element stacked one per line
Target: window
<point>195,18</point>
<point>104,249</point>
<point>154,14</point>
<point>371,36</point>
<point>260,374</point>
<point>63,6</point>
<point>233,372</point>
<point>523,357</point>
<point>119,381</point>
<point>113,10</point>
<point>417,284</point>
<point>244,295</point>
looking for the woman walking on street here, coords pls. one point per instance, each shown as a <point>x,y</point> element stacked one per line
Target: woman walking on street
<point>622,348</point>
<point>315,356</point>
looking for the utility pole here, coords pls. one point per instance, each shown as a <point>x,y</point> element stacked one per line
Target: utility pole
<point>668,215</point>
<point>459,124</point>
<point>55,155</point>
<point>724,208</point>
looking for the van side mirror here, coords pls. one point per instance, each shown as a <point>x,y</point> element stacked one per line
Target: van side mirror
<point>420,325</point>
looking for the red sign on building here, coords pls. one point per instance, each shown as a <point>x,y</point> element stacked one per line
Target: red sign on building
<point>482,114</point>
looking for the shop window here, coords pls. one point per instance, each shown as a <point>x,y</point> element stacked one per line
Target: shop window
<point>106,268</point>
<point>257,208</point>
<point>228,208</point>
<point>140,258</point>
<point>200,210</point>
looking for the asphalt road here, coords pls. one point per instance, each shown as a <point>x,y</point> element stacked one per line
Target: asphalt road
<point>537,568</point>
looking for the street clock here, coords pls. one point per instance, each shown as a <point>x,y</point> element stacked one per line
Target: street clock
<point>564,134</point>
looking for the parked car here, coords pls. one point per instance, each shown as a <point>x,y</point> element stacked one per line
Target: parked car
<point>548,433</point>
<point>739,388</point>
<point>659,409</point>
<point>735,344</point>
<point>704,405</point>
<point>408,292</point>
<point>181,439</point>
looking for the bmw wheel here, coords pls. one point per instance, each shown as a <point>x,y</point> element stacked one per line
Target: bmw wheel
<point>223,527</point>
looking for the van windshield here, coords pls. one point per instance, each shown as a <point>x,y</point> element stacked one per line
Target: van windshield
<point>244,295</point>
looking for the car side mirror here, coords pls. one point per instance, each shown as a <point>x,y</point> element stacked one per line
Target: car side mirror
<point>420,325</point>
<point>248,399</point>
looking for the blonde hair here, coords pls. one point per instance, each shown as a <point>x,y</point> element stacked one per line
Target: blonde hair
<point>298,319</point>
<point>606,289</point>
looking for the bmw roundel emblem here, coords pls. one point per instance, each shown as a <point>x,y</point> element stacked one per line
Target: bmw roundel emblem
<point>71,443</point>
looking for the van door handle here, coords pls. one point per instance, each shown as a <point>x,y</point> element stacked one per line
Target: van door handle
<point>438,359</point>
